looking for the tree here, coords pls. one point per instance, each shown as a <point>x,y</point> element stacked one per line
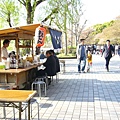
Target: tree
<point>9,12</point>
<point>98,28</point>
<point>77,25</point>
<point>112,33</point>
<point>59,18</point>
<point>108,30</point>
<point>30,8</point>
<point>64,16</point>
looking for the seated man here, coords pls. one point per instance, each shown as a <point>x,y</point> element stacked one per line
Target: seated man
<point>50,66</point>
<point>42,56</point>
<point>57,61</point>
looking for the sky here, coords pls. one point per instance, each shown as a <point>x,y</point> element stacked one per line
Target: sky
<point>97,11</point>
<point>100,11</point>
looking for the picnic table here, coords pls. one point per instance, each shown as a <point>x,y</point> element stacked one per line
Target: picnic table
<point>15,98</point>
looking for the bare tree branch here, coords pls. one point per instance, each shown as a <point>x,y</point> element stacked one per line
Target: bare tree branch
<point>39,1</point>
<point>51,20</point>
<point>78,33</point>
<point>58,24</point>
<point>9,20</point>
<point>82,29</point>
<point>22,2</point>
<point>53,11</point>
<point>87,35</point>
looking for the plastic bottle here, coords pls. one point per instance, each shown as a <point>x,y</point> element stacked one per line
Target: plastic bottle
<point>16,64</point>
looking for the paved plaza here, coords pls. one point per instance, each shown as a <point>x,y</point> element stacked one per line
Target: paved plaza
<point>81,96</point>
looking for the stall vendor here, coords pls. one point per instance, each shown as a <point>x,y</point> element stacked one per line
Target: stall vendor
<point>4,52</point>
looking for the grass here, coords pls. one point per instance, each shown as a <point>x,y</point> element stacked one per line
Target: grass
<point>62,55</point>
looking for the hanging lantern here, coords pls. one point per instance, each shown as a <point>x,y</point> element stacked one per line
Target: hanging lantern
<point>40,34</point>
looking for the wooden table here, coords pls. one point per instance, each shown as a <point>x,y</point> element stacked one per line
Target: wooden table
<point>16,76</point>
<point>14,98</point>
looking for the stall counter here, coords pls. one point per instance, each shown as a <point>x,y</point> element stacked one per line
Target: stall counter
<point>18,76</point>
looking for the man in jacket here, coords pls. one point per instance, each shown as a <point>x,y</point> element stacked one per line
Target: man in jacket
<point>108,51</point>
<point>50,65</point>
<point>57,61</point>
<point>81,55</point>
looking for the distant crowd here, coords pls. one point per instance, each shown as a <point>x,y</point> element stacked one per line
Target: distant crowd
<point>84,54</point>
<point>97,49</point>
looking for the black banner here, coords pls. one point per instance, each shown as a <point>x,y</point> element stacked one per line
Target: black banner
<point>56,38</point>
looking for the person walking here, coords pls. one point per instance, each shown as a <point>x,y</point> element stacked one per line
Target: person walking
<point>108,51</point>
<point>119,50</point>
<point>81,55</point>
<point>89,60</point>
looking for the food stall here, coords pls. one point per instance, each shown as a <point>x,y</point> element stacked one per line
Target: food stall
<point>15,78</point>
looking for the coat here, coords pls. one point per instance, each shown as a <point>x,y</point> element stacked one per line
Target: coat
<point>50,66</point>
<point>57,64</point>
<point>108,51</point>
<point>78,51</point>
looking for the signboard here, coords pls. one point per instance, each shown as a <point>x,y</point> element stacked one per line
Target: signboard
<point>40,34</point>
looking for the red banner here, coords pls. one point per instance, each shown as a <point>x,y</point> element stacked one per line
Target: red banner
<point>40,34</point>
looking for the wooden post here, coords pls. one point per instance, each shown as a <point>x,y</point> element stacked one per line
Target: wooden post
<point>32,50</point>
<point>0,50</point>
<point>17,47</point>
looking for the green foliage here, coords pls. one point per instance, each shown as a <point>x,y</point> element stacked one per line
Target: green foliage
<point>11,46</point>
<point>100,27</point>
<point>109,30</point>
<point>66,56</point>
<point>62,51</point>
<point>9,12</point>
<point>68,13</point>
<point>97,41</point>
<point>71,47</point>
<point>72,50</point>
<point>48,42</point>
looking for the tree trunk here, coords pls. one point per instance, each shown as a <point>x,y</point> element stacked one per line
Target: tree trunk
<point>29,10</point>
<point>65,29</point>
<point>71,35</point>
<point>65,43</point>
<point>9,20</point>
<point>76,42</point>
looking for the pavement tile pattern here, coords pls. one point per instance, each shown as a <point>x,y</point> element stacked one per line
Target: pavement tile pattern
<point>81,96</point>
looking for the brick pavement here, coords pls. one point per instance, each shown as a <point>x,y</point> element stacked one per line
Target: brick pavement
<point>82,96</point>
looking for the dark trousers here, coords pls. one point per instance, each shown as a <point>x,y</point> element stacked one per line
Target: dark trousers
<point>107,62</point>
<point>41,73</point>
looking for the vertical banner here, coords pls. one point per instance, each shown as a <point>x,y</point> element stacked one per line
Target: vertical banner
<point>40,34</point>
<point>56,38</point>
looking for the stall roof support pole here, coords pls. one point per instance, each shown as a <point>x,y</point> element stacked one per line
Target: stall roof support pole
<point>32,50</point>
<point>0,50</point>
<point>17,47</point>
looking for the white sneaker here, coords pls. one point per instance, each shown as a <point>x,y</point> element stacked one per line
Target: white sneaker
<point>82,71</point>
